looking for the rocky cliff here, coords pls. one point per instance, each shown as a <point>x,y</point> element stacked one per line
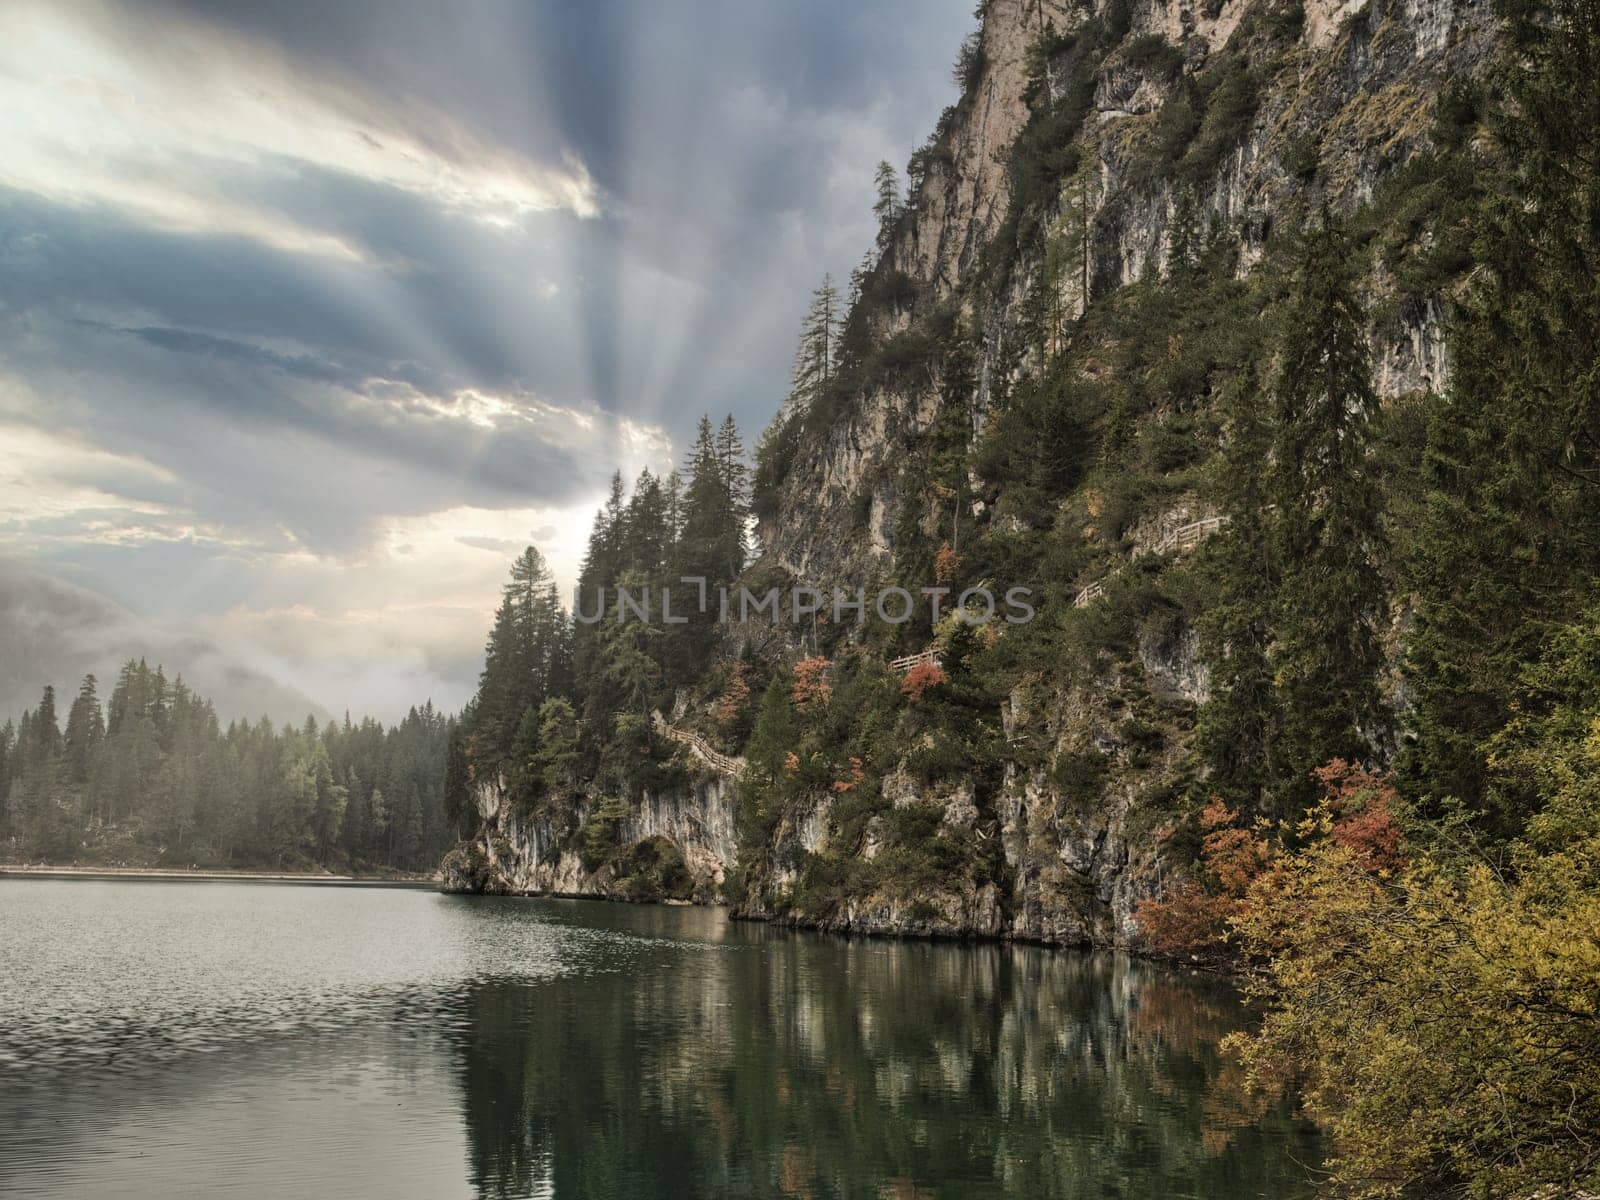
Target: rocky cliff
<point>668,846</point>
<point>1094,214</point>
<point>1214,123</point>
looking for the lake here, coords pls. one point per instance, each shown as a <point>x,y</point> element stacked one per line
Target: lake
<point>252,1040</point>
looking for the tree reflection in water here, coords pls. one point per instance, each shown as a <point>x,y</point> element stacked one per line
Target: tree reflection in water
<point>752,1061</point>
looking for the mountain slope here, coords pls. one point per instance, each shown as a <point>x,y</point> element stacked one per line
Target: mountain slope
<point>1032,389</point>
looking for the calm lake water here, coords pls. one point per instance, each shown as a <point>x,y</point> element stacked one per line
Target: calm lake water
<point>188,1039</point>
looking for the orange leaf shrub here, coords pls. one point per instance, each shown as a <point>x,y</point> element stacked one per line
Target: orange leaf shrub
<point>920,678</point>
<point>1361,803</point>
<point>946,564</point>
<point>734,696</point>
<point>857,774</point>
<point>1194,918</point>
<point>1241,871</point>
<point>810,683</point>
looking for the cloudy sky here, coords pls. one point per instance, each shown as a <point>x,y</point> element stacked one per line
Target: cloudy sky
<point>312,314</point>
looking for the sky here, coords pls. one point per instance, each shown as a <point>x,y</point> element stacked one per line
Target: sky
<point>312,315</point>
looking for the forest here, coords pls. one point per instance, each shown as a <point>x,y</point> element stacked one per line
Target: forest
<point>151,778</point>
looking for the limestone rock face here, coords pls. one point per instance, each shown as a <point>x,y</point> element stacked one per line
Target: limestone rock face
<point>518,854</point>
<point>1358,97</point>
<point>1349,105</point>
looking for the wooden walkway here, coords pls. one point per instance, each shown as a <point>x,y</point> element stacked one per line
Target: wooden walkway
<point>1180,538</point>
<point>928,658</point>
<point>719,762</point>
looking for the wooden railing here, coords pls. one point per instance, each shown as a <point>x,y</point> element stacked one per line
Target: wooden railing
<point>722,763</point>
<point>929,657</point>
<point>1090,594</point>
<point>1180,538</point>
<point>1185,536</point>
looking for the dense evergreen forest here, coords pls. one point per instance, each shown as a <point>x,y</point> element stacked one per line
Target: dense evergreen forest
<point>152,778</point>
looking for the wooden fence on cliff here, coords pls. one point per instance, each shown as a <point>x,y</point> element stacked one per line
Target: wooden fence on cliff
<point>719,762</point>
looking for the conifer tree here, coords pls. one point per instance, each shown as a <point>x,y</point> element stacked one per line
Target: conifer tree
<point>887,207</point>
<point>672,491</point>
<point>704,548</point>
<point>815,357</point>
<point>646,538</point>
<point>1238,727</point>
<point>8,741</point>
<point>86,728</point>
<point>45,729</point>
<point>559,753</point>
<point>528,654</point>
<point>736,486</point>
<point>1327,523</point>
<point>459,812</point>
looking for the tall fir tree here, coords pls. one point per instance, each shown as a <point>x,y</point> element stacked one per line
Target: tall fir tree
<point>1239,723</point>
<point>818,349</point>
<point>1326,516</point>
<point>86,729</point>
<point>887,206</point>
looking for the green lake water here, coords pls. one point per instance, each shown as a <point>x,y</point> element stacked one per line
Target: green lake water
<point>256,1040</point>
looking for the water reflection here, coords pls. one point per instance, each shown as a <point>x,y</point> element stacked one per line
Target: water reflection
<point>160,1040</point>
<point>786,1065</point>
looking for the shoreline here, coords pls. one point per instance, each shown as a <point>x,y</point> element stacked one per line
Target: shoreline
<point>169,874</point>
<point>1225,971</point>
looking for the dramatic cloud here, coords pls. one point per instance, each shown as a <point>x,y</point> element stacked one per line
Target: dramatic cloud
<point>155,120</point>
<point>311,316</point>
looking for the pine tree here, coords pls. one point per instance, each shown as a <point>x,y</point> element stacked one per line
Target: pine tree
<point>559,753</point>
<point>86,729</point>
<point>1327,524</point>
<point>815,357</point>
<point>703,549</point>
<point>646,538</point>
<point>357,818</point>
<point>1238,726</point>
<point>858,282</point>
<point>950,436</point>
<point>45,729</point>
<point>527,656</point>
<point>8,741</point>
<point>523,781</point>
<point>736,487</point>
<point>887,208</point>
<point>378,825</point>
<point>459,810</point>
<point>672,491</point>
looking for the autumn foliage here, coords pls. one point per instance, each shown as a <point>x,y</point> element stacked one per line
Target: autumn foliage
<point>857,774</point>
<point>946,564</point>
<point>1360,804</point>
<point>1240,866</point>
<point>1194,918</point>
<point>811,685</point>
<point>734,696</point>
<point>921,678</point>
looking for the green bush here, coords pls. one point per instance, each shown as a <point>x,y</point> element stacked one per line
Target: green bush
<point>653,870</point>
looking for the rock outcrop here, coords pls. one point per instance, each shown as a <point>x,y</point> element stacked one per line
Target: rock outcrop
<point>519,853</point>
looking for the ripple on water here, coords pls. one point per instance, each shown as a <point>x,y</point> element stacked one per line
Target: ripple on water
<point>117,977</point>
